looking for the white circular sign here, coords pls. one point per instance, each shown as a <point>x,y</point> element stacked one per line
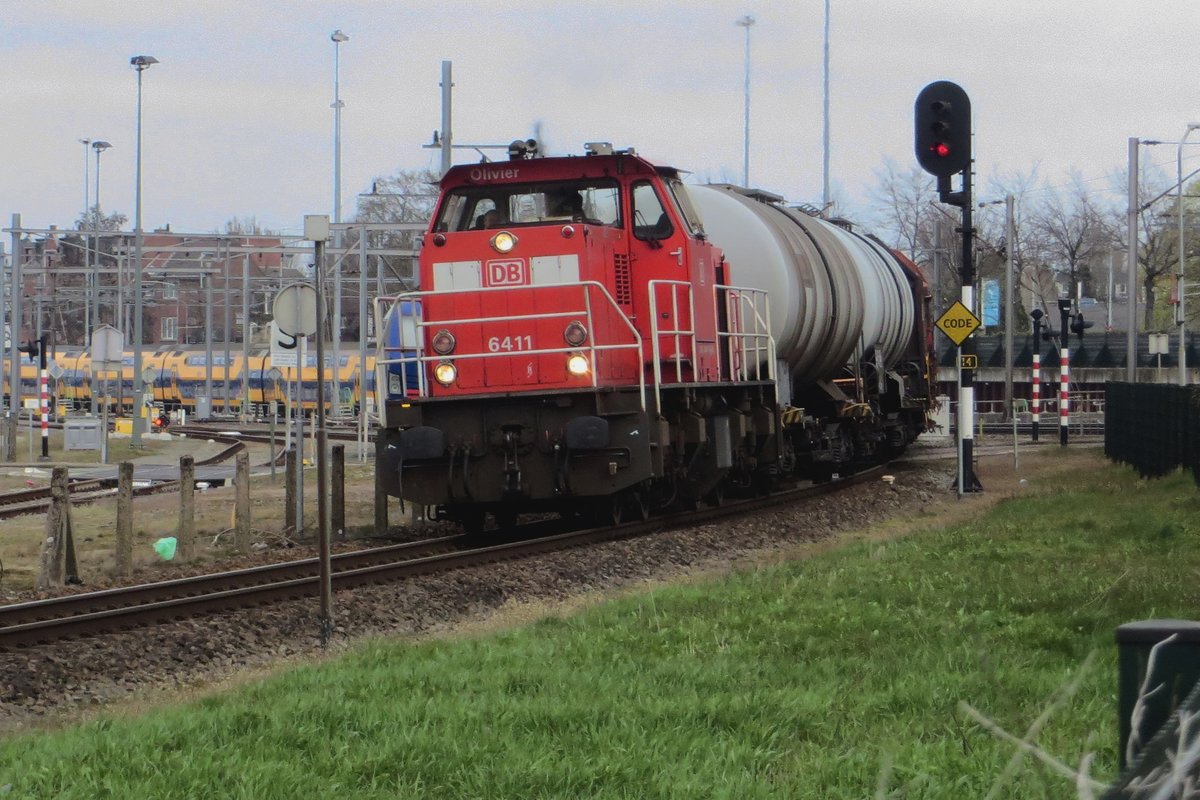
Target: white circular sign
<point>295,309</point>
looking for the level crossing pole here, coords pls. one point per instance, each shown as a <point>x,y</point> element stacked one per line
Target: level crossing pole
<point>1064,372</point>
<point>1036,404</point>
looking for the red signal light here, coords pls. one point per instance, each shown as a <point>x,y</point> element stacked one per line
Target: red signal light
<point>941,150</point>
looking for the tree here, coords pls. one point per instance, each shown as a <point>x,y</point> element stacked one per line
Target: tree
<point>246,226</point>
<point>1072,232</point>
<point>905,201</point>
<point>405,196</point>
<point>1158,240</point>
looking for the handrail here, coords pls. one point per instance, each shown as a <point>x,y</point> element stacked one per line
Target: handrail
<point>759,339</point>
<point>676,332</point>
<point>386,306</point>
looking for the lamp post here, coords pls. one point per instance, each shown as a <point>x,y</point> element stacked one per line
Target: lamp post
<point>746,22</point>
<point>99,146</point>
<point>1180,311</point>
<point>141,64</point>
<point>87,253</point>
<point>825,201</point>
<point>337,37</point>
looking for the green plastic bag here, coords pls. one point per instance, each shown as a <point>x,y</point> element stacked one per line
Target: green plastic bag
<point>165,547</point>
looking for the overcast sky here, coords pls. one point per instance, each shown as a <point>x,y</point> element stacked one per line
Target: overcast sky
<point>237,119</point>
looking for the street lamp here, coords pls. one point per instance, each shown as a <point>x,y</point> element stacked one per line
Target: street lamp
<point>337,37</point>
<point>99,145</point>
<point>1180,311</point>
<point>141,64</point>
<point>746,22</point>
<point>87,257</point>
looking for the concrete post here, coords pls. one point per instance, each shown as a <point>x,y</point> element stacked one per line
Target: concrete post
<point>186,537</point>
<point>51,560</point>
<point>338,491</point>
<point>241,534</point>
<point>124,546</point>
<point>289,502</point>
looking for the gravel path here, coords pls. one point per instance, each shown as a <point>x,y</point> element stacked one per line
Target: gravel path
<point>55,683</point>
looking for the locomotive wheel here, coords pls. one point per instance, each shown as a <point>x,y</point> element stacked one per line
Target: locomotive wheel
<point>639,505</point>
<point>471,520</point>
<point>609,510</point>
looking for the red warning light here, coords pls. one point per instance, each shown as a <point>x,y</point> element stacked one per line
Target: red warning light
<point>941,150</point>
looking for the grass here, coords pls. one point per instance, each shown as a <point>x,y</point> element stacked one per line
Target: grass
<point>834,677</point>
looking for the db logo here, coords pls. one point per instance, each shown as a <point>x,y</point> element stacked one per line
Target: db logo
<point>511,272</point>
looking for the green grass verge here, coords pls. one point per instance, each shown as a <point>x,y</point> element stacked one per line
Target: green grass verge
<point>826,678</point>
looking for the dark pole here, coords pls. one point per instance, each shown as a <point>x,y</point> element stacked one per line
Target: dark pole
<point>966,377</point>
<point>1064,371</point>
<point>1037,369</point>
<point>326,621</point>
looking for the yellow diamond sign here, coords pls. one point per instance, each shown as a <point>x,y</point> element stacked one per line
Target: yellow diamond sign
<point>958,322</point>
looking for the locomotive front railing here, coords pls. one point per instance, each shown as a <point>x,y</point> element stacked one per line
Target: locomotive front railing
<point>749,340</point>
<point>678,334</point>
<point>409,349</point>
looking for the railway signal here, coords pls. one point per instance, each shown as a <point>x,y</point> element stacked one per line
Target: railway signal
<point>942,115</point>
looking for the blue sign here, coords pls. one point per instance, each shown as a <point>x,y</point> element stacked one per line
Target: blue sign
<point>991,303</point>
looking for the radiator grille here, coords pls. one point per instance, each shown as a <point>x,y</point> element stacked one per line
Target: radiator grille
<point>621,279</point>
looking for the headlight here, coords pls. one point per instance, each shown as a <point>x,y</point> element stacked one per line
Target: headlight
<point>504,242</point>
<point>443,342</point>
<point>575,334</point>
<point>445,373</point>
<point>577,364</point>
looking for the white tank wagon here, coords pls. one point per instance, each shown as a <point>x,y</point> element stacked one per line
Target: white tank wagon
<point>835,294</point>
<point>851,321</point>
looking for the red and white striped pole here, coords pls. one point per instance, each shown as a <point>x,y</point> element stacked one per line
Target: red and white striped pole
<point>1037,393</point>
<point>44,395</point>
<point>1037,370</point>
<point>1064,374</point>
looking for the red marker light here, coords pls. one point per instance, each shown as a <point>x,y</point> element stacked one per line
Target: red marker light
<point>941,149</point>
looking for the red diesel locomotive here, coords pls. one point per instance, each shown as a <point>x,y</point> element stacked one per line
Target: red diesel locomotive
<point>593,337</point>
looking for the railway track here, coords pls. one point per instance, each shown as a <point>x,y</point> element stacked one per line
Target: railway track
<point>33,501</point>
<point>129,608</point>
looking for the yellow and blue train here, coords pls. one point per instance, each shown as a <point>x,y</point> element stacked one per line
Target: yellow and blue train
<point>181,376</point>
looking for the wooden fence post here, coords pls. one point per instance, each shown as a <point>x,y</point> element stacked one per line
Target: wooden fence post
<point>187,508</point>
<point>241,535</point>
<point>289,493</point>
<point>52,556</point>
<point>381,497</point>
<point>124,546</point>
<point>338,506</point>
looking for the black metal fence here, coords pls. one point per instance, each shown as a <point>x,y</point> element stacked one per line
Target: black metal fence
<point>1153,427</point>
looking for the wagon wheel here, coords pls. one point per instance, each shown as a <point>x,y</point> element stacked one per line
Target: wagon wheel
<point>505,518</point>
<point>716,496</point>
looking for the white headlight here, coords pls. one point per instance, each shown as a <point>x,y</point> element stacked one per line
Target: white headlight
<point>504,242</point>
<point>445,373</point>
<point>577,364</point>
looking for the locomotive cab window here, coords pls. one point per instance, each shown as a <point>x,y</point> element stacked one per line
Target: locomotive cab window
<point>650,220</point>
<point>688,211</point>
<point>595,202</point>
